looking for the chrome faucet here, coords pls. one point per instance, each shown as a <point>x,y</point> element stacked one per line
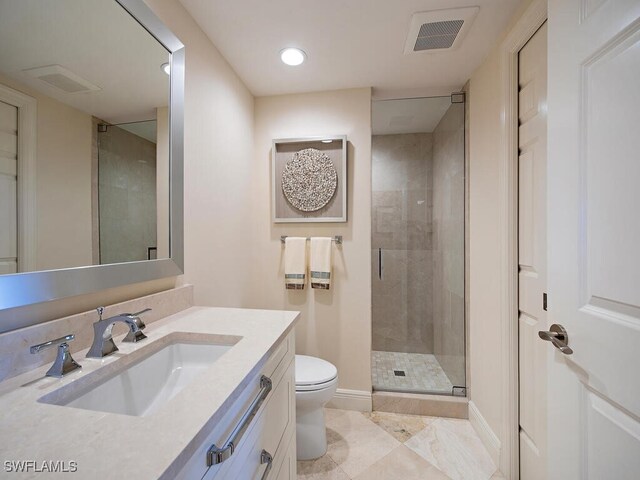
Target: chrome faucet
<point>103,343</point>
<point>64,362</point>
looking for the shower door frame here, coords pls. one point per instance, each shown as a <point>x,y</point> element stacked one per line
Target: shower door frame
<point>465,331</point>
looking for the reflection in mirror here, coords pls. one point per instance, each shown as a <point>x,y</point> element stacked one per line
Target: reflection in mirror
<point>127,191</point>
<point>84,136</point>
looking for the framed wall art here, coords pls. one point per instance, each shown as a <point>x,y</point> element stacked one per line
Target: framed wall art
<point>309,179</point>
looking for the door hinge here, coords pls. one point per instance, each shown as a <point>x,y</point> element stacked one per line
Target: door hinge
<point>544,302</point>
<point>458,97</point>
<point>459,391</point>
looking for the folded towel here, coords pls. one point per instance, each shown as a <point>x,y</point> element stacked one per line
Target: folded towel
<point>321,262</point>
<point>295,262</point>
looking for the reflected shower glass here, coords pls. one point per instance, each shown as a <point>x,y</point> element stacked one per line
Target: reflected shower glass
<point>418,221</point>
<point>128,191</point>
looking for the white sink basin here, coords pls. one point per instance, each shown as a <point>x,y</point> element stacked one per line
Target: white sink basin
<point>139,388</point>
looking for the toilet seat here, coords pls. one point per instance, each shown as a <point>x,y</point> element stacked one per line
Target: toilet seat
<point>317,386</point>
<point>314,374</point>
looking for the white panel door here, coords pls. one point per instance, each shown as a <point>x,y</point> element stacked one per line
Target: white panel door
<point>532,252</point>
<point>594,238</point>
<point>8,188</point>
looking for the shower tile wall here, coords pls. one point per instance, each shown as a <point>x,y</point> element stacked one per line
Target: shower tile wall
<point>402,227</point>
<point>127,196</point>
<point>448,244</point>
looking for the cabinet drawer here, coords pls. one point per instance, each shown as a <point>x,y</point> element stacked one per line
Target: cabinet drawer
<point>271,434</point>
<point>288,467</point>
<point>274,368</point>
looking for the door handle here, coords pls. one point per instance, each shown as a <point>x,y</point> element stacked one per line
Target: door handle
<point>558,336</point>
<point>380,263</point>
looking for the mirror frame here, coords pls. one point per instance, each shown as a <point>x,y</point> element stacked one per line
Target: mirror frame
<point>21,289</point>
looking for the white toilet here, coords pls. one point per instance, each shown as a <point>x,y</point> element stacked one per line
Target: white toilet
<point>316,382</point>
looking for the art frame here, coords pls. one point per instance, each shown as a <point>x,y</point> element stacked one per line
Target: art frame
<point>282,151</point>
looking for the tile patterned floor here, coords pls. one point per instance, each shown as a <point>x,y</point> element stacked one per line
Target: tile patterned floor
<point>423,373</point>
<point>388,446</point>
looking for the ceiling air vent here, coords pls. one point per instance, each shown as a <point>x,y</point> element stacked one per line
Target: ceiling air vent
<point>437,35</point>
<point>439,29</point>
<point>62,79</point>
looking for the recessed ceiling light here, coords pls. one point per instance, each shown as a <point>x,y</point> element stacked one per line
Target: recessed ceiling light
<point>292,56</point>
<point>327,141</point>
<point>166,68</point>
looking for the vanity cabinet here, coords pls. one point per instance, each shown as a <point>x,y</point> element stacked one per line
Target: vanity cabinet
<point>288,469</point>
<point>266,447</point>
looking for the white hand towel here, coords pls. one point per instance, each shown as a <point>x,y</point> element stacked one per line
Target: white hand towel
<point>295,262</point>
<point>321,263</point>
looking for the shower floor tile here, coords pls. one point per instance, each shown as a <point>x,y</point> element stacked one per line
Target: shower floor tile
<point>422,373</point>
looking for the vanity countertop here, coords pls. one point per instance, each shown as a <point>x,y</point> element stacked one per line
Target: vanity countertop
<point>121,446</point>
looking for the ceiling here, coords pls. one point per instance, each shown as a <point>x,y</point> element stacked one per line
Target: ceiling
<point>409,115</point>
<point>95,39</point>
<point>354,43</point>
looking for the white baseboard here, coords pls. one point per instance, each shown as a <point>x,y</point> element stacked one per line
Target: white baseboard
<point>489,439</point>
<point>359,400</point>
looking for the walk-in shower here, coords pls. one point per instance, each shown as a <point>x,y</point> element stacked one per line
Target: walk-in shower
<point>418,222</point>
<point>127,200</point>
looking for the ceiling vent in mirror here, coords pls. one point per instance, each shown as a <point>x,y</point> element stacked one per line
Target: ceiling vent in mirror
<point>439,30</point>
<point>62,79</point>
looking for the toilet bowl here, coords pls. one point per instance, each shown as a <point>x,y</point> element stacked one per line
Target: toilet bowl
<point>316,382</point>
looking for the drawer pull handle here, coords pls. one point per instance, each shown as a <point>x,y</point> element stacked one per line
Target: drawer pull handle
<point>215,454</point>
<point>265,457</point>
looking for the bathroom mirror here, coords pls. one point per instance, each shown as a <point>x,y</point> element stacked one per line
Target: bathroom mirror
<point>91,137</point>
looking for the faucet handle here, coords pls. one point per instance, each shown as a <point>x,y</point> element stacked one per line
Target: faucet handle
<point>51,343</point>
<point>134,337</point>
<point>135,334</point>
<point>100,311</point>
<point>140,312</point>
<point>64,362</point>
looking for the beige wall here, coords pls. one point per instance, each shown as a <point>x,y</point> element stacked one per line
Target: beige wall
<point>63,176</point>
<point>335,324</point>
<point>217,169</point>
<point>484,255</point>
<point>485,136</point>
<point>63,182</point>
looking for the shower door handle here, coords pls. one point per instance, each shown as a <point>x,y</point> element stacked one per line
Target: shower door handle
<point>380,263</point>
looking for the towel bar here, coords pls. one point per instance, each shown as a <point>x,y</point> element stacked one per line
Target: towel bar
<point>337,239</point>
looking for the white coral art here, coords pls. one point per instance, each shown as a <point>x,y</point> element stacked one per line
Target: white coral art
<point>309,180</point>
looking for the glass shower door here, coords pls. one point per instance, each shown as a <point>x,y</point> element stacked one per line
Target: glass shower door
<point>127,200</point>
<point>417,256</point>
